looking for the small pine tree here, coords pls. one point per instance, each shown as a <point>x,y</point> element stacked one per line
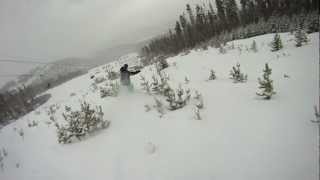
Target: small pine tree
<point>276,44</point>
<point>236,74</point>
<point>80,123</point>
<point>179,99</point>
<point>198,97</point>
<point>266,84</point>
<point>212,75</point>
<point>300,37</point>
<point>254,46</point>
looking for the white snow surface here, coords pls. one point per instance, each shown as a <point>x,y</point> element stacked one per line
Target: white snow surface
<point>241,136</point>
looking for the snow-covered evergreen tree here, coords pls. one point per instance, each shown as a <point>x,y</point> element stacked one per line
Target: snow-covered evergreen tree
<point>199,100</point>
<point>80,123</point>
<point>276,44</point>
<point>237,75</point>
<point>212,75</point>
<point>178,99</point>
<point>266,84</point>
<point>160,84</point>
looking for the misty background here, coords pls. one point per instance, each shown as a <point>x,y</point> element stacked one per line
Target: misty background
<point>88,31</point>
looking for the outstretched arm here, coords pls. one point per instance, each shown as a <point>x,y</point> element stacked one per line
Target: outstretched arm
<point>134,72</point>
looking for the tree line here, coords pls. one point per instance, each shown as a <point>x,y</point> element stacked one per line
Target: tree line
<point>204,25</point>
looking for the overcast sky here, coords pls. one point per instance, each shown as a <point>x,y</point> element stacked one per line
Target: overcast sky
<point>47,30</point>
<point>53,29</point>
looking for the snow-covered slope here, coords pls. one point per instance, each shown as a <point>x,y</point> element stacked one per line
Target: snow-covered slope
<point>239,137</point>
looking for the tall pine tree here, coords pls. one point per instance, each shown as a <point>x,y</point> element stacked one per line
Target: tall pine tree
<point>191,16</point>
<point>221,13</point>
<point>232,14</point>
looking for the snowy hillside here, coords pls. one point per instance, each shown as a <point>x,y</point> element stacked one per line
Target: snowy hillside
<point>241,136</point>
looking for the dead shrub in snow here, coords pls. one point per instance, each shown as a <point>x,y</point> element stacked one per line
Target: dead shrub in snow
<point>112,89</point>
<point>81,123</point>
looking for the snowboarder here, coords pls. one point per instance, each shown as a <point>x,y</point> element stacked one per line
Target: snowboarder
<point>125,76</point>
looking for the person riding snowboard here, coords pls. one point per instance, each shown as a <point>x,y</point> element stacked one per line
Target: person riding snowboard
<point>125,76</point>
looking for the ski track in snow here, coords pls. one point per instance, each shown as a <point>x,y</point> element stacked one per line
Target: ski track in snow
<point>239,137</point>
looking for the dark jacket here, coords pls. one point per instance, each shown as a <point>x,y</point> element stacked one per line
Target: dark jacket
<point>125,75</point>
